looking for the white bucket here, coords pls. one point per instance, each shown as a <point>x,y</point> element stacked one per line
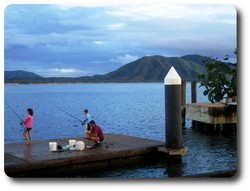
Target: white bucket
<point>80,146</point>
<point>72,143</point>
<point>52,146</point>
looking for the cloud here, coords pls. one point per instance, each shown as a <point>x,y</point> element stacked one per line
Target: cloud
<point>127,58</point>
<point>116,26</point>
<point>98,42</point>
<point>195,12</point>
<point>65,70</point>
<point>98,39</point>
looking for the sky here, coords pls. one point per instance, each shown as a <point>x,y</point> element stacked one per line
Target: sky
<point>80,40</point>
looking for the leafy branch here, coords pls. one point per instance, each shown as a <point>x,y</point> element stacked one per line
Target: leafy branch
<point>220,79</point>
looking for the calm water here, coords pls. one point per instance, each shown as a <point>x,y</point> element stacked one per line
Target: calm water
<point>131,109</point>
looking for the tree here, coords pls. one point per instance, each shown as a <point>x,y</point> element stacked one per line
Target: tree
<point>220,79</point>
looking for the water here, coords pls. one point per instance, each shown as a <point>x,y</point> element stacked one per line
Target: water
<point>133,109</point>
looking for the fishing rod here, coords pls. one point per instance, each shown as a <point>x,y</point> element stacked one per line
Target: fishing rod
<point>15,114</point>
<point>70,114</point>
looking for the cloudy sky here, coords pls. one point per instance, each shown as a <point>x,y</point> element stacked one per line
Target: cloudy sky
<point>78,40</point>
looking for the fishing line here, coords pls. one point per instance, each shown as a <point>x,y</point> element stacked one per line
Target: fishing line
<point>69,114</point>
<point>15,113</point>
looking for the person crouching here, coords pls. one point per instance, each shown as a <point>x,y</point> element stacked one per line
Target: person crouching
<point>95,134</point>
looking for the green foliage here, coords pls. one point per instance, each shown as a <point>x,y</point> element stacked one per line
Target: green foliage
<point>220,79</point>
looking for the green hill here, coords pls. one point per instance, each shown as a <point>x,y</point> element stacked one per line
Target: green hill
<point>145,69</point>
<point>155,68</point>
<point>20,76</point>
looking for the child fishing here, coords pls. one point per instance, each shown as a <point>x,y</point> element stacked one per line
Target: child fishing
<point>28,126</point>
<point>86,120</point>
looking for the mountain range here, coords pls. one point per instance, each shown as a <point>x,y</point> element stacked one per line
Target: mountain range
<point>145,69</point>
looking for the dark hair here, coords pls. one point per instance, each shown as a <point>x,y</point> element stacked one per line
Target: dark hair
<point>30,111</point>
<point>92,122</point>
<point>85,110</point>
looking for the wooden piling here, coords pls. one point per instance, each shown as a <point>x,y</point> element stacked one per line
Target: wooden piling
<point>194,92</point>
<point>183,92</point>
<point>173,130</point>
<point>183,102</point>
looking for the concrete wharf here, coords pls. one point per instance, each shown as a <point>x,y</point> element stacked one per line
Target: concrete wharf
<point>212,116</point>
<point>208,117</point>
<point>212,113</point>
<point>35,160</point>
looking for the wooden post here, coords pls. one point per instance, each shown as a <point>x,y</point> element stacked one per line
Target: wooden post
<point>183,92</point>
<point>183,102</point>
<point>194,100</point>
<point>173,129</point>
<point>194,92</point>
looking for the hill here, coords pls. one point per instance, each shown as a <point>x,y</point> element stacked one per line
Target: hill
<point>195,58</point>
<point>155,68</point>
<point>145,69</point>
<point>20,76</point>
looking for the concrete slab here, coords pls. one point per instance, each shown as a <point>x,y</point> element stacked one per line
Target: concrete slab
<point>23,160</point>
<point>212,113</point>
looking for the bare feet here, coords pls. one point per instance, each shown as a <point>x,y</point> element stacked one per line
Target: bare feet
<point>28,142</point>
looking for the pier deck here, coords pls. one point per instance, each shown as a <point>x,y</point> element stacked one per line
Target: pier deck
<point>212,113</point>
<point>35,160</point>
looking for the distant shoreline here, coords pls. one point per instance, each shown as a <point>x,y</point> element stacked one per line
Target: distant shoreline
<point>148,69</point>
<point>85,83</point>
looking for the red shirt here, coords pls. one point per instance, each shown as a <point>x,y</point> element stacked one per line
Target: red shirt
<point>97,131</point>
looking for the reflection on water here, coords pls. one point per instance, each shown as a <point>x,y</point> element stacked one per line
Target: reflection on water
<point>130,109</point>
<point>205,154</point>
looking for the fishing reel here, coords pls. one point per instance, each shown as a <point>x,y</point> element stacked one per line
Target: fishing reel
<point>21,123</point>
<point>83,122</point>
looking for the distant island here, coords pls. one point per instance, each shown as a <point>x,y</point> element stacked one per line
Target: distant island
<point>145,69</point>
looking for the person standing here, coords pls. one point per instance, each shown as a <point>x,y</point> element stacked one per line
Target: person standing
<point>95,133</point>
<point>28,126</point>
<point>86,120</point>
